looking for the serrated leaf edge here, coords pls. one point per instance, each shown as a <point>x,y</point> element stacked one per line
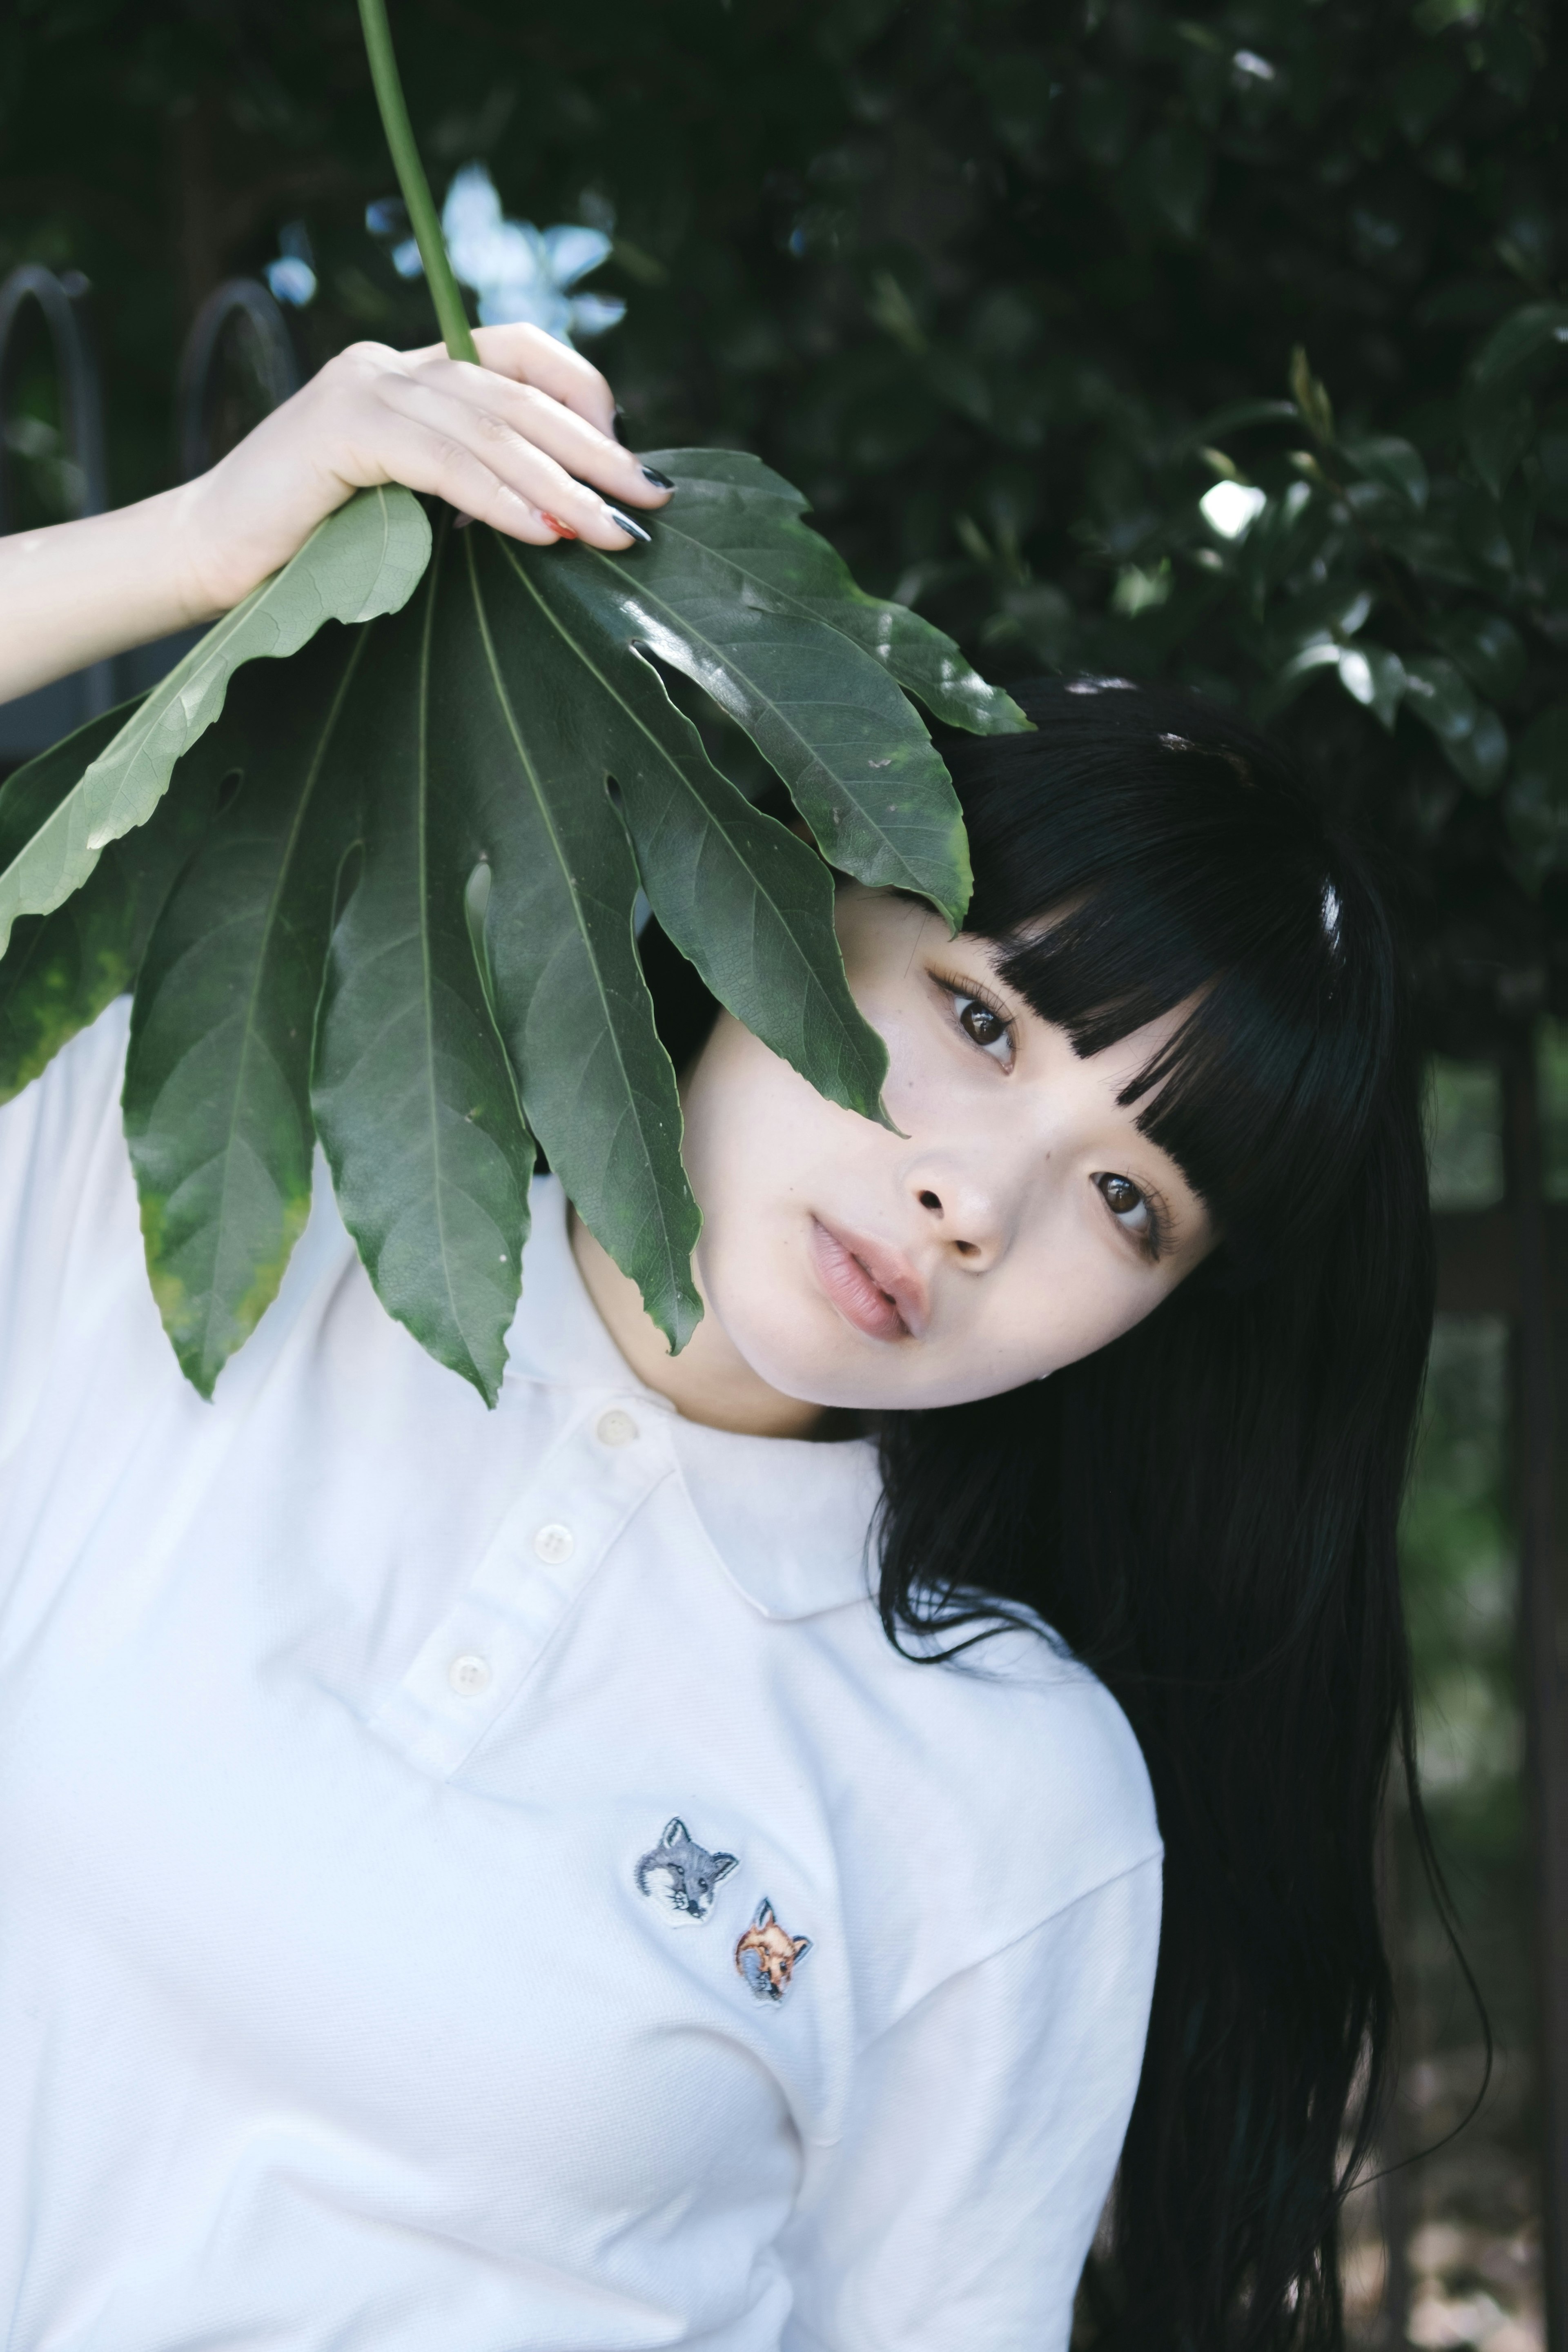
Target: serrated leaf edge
<point>682,631</point>
<point>120,789</point>
<point>166,1289</point>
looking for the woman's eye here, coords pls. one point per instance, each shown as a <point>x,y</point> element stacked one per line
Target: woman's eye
<point>1126,1203</point>
<point>986,1028</point>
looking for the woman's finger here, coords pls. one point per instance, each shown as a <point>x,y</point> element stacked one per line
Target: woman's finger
<point>423,457</point>
<point>502,407</point>
<point>465,449</point>
<point>528,355</point>
<point>522,354</point>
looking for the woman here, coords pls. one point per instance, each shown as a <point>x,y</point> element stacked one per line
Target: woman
<point>492,1881</point>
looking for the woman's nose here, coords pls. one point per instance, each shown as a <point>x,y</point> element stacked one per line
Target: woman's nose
<point>964,1217</point>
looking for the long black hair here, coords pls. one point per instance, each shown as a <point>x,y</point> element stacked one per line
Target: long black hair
<point>1205,1510</point>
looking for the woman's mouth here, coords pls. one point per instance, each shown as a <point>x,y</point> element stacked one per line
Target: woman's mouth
<point>875,1290</point>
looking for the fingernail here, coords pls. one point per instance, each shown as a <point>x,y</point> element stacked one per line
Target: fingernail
<point>623,522</point>
<point>661,481</point>
<point>563,529</point>
<point>462,522</point>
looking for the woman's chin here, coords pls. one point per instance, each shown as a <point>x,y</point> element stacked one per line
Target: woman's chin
<point>802,1348</point>
<point>815,1357</point>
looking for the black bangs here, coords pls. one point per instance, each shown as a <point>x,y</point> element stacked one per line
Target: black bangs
<point>1143,850</point>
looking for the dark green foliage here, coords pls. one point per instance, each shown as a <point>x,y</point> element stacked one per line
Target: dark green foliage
<point>217,1081</point>
<point>413,1094</point>
<point>982,275</point>
<point>408,929</point>
<point>1008,289</point>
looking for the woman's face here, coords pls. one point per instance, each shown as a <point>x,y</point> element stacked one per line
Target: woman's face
<point>1018,1222</point>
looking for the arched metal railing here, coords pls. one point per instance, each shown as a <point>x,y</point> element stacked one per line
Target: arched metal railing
<point>64,303</point>
<point>240,310</point>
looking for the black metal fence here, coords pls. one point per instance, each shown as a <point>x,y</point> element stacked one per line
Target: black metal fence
<point>238,322</point>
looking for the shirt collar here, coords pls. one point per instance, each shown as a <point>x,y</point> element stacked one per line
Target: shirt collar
<point>788,1520</point>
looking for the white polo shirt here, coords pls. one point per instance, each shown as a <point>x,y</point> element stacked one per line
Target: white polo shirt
<point>484,1882</point>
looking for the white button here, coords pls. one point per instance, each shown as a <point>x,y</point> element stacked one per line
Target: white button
<point>616,1428</point>
<point>554,1542</point>
<point>469,1675</point>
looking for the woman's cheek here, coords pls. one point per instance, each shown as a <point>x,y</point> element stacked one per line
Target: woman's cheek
<point>749,1123</point>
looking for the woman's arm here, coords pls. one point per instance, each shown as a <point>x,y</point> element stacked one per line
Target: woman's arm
<point>513,443</point>
<point>955,2212</point>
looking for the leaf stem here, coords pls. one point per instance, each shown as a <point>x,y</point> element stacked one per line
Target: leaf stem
<point>426,221</point>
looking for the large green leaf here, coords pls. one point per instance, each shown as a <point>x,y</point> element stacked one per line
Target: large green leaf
<point>415,1098</point>
<point>525,730</point>
<point>738,592</point>
<point>217,1080</point>
<point>410,927</point>
<point>363,561</point>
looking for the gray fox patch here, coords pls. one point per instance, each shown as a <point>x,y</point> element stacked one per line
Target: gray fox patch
<point>766,1955</point>
<point>681,1876</point>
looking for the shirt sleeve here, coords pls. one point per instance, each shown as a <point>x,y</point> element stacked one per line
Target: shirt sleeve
<point>958,2208</point>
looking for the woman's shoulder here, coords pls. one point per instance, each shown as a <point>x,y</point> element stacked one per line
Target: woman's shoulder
<point>1026,1678</point>
<point>996,1787</point>
<point>1047,1746</point>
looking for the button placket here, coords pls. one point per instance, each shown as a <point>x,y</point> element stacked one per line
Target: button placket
<point>547,1549</point>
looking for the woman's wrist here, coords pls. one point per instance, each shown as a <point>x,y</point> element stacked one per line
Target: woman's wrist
<point>220,549</point>
<point>78,593</point>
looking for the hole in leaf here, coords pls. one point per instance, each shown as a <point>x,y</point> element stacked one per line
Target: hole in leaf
<point>476,900</point>
<point>228,790</point>
<point>476,907</point>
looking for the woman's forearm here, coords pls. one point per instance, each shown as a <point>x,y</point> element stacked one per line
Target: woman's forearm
<point>77,592</point>
<point>516,442</point>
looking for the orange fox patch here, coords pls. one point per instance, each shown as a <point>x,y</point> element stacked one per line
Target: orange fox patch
<point>766,1957</point>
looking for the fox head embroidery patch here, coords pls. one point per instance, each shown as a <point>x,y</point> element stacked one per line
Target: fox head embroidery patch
<point>681,1876</point>
<point>766,1957</point>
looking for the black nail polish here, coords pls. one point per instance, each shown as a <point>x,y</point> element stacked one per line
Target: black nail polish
<point>623,522</point>
<point>661,481</point>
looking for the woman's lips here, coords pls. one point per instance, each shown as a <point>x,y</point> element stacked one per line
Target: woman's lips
<point>874,1288</point>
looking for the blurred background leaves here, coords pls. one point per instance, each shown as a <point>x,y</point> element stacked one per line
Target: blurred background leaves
<point>1009,288</point>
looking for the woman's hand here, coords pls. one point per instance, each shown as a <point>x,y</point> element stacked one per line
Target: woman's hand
<point>526,442</point>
